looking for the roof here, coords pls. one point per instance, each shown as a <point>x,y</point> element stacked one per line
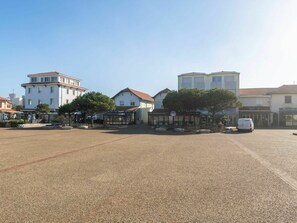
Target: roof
<point>139,94</point>
<point>8,110</point>
<point>286,89</point>
<point>52,73</point>
<point>166,90</point>
<point>255,91</point>
<point>205,74</point>
<point>4,99</point>
<point>126,108</point>
<point>54,83</point>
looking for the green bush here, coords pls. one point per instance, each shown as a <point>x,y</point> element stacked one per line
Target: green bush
<point>11,123</point>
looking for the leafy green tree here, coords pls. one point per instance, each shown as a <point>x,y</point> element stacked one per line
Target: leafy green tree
<point>42,109</point>
<point>18,107</point>
<point>217,100</point>
<point>67,109</point>
<point>93,102</point>
<point>184,100</point>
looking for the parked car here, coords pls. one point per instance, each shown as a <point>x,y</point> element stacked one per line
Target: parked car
<point>245,124</point>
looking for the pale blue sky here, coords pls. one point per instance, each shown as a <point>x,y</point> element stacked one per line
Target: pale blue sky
<point>145,44</point>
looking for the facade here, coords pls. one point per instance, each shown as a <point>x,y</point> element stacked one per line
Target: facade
<point>225,79</point>
<point>133,103</point>
<point>256,105</point>
<point>52,88</point>
<point>159,97</point>
<point>270,106</point>
<point>5,108</point>
<point>228,80</point>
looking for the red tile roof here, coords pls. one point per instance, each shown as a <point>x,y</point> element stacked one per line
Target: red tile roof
<point>285,89</point>
<point>166,90</point>
<point>139,94</point>
<point>255,91</point>
<point>7,110</point>
<point>3,99</point>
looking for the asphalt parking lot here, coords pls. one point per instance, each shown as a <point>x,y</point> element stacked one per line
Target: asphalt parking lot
<point>125,176</point>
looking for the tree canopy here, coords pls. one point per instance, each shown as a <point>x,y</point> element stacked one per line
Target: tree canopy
<point>93,102</point>
<point>42,109</point>
<point>187,100</point>
<point>184,100</point>
<point>218,100</point>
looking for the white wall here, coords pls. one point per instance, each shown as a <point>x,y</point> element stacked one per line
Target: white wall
<point>158,103</point>
<point>278,101</point>
<point>255,100</point>
<point>208,81</point>
<point>59,95</point>
<point>127,98</point>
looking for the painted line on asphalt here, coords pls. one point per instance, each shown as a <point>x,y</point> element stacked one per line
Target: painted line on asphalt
<point>284,176</point>
<point>57,155</point>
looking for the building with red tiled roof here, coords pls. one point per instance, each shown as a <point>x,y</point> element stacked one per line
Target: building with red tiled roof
<point>5,108</point>
<point>137,102</point>
<point>270,106</point>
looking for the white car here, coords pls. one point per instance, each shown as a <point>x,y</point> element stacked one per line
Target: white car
<point>245,124</point>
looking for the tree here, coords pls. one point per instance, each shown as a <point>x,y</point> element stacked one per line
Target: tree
<point>184,100</point>
<point>42,109</point>
<point>93,102</point>
<point>67,109</point>
<point>18,107</point>
<point>216,100</point>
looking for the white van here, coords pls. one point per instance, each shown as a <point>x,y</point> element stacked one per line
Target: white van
<point>245,124</point>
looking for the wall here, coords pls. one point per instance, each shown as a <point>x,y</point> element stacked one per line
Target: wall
<point>127,97</point>
<point>158,103</point>
<point>255,100</point>
<point>278,101</point>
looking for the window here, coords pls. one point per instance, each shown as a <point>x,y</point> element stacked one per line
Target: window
<point>132,103</point>
<point>186,82</point>
<point>67,90</point>
<point>54,79</point>
<point>217,79</point>
<point>33,79</point>
<point>67,101</point>
<point>199,83</point>
<point>122,103</point>
<point>42,79</point>
<point>216,82</point>
<point>29,102</point>
<point>39,101</point>
<point>29,90</point>
<point>39,90</point>
<point>288,99</point>
<point>52,89</point>
<point>51,101</point>
<point>46,79</point>
<point>73,92</point>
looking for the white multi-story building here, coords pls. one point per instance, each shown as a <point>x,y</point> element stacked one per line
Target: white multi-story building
<point>52,88</point>
<point>228,80</point>
<point>225,80</point>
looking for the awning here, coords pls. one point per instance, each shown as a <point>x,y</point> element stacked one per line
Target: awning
<point>7,110</point>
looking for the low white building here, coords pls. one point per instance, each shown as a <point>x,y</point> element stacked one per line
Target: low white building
<point>52,88</point>
<point>159,97</point>
<point>270,106</point>
<point>138,102</point>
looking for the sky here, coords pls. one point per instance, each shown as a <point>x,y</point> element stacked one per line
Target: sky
<point>146,44</point>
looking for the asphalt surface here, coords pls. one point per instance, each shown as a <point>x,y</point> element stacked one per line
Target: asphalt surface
<point>123,176</point>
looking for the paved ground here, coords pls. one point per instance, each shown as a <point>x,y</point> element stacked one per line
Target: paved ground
<point>112,176</point>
